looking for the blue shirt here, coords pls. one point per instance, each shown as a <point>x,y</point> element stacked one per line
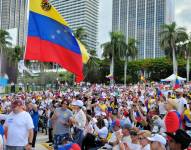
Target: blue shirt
<point>35,119</point>
<point>1,130</point>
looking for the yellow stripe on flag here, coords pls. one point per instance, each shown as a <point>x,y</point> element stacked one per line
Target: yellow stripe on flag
<point>85,55</point>
<point>36,6</point>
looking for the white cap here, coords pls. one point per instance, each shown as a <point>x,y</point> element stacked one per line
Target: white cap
<point>78,103</point>
<point>98,114</point>
<point>103,113</point>
<point>157,138</point>
<point>180,90</point>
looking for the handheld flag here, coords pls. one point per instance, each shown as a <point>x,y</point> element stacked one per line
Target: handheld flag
<point>177,83</point>
<point>51,40</point>
<point>109,76</point>
<point>143,78</point>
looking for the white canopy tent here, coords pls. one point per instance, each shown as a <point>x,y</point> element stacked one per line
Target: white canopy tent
<point>173,78</point>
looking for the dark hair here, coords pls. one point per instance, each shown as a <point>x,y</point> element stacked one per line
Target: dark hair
<point>65,101</point>
<point>100,123</point>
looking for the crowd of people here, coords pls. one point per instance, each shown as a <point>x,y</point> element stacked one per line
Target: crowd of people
<point>148,116</point>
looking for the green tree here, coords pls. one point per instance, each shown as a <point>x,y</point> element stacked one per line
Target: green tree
<point>188,52</point>
<point>4,44</point>
<point>4,40</point>
<point>130,52</point>
<point>112,49</point>
<point>185,50</point>
<point>92,66</point>
<point>15,54</point>
<point>169,37</point>
<point>81,35</point>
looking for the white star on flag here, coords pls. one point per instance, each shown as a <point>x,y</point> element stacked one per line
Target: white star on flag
<point>53,36</point>
<point>58,31</point>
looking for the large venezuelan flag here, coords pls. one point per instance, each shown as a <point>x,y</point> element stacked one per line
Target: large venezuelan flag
<point>51,40</point>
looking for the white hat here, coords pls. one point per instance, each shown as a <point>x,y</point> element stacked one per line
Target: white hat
<point>103,113</point>
<point>179,90</point>
<point>157,138</point>
<point>98,114</point>
<point>78,103</point>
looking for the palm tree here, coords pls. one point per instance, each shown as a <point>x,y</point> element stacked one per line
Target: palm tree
<point>4,43</point>
<point>185,49</point>
<point>131,51</point>
<point>112,48</point>
<point>91,68</point>
<point>169,37</point>
<point>81,35</point>
<point>4,39</point>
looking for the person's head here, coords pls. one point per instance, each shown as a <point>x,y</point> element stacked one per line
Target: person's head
<point>134,136</point>
<point>157,141</point>
<point>116,125</point>
<point>170,105</point>
<point>103,115</point>
<point>180,140</point>
<point>125,129</point>
<point>100,123</point>
<point>30,106</point>
<point>64,104</point>
<point>143,135</point>
<point>179,92</point>
<point>77,105</point>
<point>17,106</point>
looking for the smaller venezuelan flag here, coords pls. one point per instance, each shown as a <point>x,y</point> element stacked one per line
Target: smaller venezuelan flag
<point>109,76</point>
<point>177,84</point>
<point>51,40</point>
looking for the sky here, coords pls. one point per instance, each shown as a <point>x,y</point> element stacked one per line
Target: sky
<point>182,18</point>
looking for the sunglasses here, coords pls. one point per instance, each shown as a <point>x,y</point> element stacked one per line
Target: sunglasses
<point>142,138</point>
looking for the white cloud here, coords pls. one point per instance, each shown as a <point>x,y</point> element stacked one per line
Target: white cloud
<point>105,22</point>
<point>183,13</point>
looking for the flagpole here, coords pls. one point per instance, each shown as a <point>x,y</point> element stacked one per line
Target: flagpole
<point>28,2</point>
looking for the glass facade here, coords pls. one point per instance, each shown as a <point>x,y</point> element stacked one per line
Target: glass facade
<point>132,18</point>
<point>160,19</point>
<point>140,27</point>
<point>13,14</point>
<point>142,20</point>
<point>150,15</point>
<point>81,13</point>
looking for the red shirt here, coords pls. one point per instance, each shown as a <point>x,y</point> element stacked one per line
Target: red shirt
<point>172,122</point>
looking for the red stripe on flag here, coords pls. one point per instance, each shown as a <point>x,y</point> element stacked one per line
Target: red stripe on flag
<point>46,51</point>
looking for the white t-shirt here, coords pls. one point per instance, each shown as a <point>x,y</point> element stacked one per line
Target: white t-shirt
<point>133,146</point>
<point>162,109</point>
<point>147,147</point>
<point>80,117</point>
<point>1,142</point>
<point>18,128</point>
<point>181,102</point>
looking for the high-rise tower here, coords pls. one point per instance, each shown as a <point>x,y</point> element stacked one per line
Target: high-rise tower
<point>142,20</point>
<point>13,14</point>
<point>81,13</point>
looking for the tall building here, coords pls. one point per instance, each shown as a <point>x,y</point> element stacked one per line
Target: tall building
<point>13,14</point>
<point>81,13</point>
<point>142,20</point>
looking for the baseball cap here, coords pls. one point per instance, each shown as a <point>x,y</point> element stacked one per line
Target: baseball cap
<point>126,126</point>
<point>78,103</point>
<point>17,103</point>
<point>179,90</point>
<point>157,138</point>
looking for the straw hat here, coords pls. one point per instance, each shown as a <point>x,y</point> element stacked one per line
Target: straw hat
<point>173,103</point>
<point>145,133</point>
